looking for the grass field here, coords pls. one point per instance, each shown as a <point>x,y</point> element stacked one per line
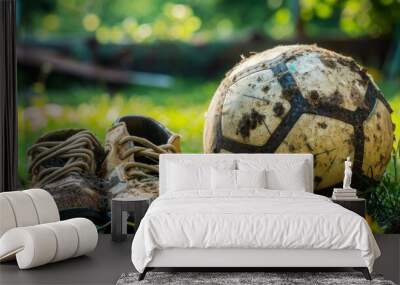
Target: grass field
<point>181,108</point>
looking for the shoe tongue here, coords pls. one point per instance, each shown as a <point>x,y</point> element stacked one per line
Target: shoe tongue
<point>175,140</point>
<point>59,135</point>
<point>118,132</point>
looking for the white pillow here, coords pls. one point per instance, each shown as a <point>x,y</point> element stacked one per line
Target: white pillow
<point>193,176</point>
<point>281,175</point>
<point>223,179</point>
<point>230,180</point>
<point>251,178</point>
<point>293,179</point>
<point>182,177</point>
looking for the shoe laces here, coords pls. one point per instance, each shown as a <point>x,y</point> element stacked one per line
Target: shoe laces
<point>143,148</point>
<point>75,154</point>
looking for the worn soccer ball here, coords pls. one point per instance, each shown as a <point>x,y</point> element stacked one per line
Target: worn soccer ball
<point>303,99</point>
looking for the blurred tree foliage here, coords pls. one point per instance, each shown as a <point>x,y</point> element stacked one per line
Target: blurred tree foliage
<point>124,21</point>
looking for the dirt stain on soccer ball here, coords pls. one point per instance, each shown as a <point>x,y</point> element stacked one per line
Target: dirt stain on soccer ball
<point>249,121</point>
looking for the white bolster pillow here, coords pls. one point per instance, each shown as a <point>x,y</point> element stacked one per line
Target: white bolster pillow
<point>87,235</point>
<point>7,218</point>
<point>45,205</point>
<point>40,244</point>
<point>26,208</point>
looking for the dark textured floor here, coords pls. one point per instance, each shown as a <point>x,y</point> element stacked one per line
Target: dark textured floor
<point>103,266</point>
<point>110,259</point>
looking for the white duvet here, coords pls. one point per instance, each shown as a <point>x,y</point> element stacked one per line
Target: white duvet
<point>250,219</point>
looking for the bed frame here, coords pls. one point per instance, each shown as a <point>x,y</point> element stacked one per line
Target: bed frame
<point>242,259</point>
<point>245,258</point>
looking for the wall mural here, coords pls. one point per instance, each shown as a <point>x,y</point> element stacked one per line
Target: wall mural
<point>106,87</point>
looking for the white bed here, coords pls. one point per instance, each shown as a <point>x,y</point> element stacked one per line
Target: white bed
<point>248,227</point>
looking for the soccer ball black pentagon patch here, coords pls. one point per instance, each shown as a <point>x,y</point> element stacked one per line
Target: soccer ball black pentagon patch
<point>303,99</point>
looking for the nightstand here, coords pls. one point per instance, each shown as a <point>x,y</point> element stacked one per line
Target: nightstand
<point>121,209</point>
<point>357,205</point>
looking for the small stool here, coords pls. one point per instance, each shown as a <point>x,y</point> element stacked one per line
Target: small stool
<point>121,209</point>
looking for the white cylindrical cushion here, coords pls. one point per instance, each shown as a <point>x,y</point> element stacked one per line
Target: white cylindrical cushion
<point>37,245</point>
<point>67,240</point>
<point>23,208</point>
<point>33,246</point>
<point>26,208</point>
<point>45,205</point>
<point>87,235</point>
<point>7,218</point>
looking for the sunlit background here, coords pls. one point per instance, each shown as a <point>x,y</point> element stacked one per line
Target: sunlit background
<point>141,21</point>
<point>83,63</point>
